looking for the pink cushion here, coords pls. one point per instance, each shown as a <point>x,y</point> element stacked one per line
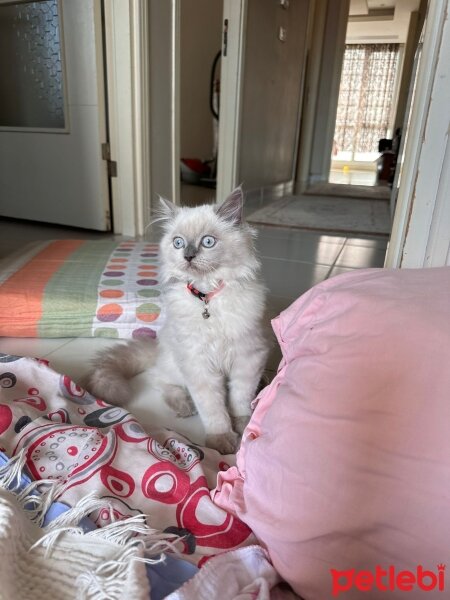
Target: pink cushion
<point>345,463</point>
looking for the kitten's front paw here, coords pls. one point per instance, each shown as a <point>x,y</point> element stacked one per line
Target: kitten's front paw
<point>240,423</point>
<point>225,443</point>
<point>179,401</point>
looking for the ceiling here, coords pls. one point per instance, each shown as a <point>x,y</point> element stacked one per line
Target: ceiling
<point>362,7</point>
<point>380,4</point>
<point>379,21</point>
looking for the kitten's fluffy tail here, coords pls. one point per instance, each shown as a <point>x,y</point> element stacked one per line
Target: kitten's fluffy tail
<point>112,370</point>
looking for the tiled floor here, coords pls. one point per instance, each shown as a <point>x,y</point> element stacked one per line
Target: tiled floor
<point>353,177</point>
<point>292,262</point>
<point>14,235</point>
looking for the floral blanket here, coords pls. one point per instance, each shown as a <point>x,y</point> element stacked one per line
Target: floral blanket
<point>86,445</point>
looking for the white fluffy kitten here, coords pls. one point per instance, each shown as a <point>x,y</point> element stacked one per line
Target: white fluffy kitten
<point>210,355</point>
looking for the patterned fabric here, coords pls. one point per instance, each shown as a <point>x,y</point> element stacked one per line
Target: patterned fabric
<point>87,445</point>
<point>82,288</point>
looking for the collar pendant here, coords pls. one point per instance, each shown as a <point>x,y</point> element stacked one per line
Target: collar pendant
<point>205,313</point>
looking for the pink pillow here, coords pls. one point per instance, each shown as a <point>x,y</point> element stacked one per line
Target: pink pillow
<point>344,468</point>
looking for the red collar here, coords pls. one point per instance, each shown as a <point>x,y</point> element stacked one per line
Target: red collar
<point>205,297</point>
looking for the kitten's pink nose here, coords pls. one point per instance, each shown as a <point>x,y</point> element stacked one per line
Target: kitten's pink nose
<point>189,258</point>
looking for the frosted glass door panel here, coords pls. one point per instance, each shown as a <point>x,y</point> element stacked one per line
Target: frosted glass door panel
<point>31,66</point>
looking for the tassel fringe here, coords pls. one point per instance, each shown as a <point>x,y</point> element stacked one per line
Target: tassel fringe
<point>135,540</point>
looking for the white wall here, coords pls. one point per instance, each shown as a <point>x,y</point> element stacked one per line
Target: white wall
<point>421,230</point>
<point>427,242</point>
<point>409,51</point>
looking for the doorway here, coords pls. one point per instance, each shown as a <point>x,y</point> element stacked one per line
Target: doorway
<point>377,63</point>
<point>200,65</point>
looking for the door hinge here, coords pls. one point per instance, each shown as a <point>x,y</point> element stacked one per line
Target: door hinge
<point>108,220</point>
<point>110,164</point>
<point>225,38</point>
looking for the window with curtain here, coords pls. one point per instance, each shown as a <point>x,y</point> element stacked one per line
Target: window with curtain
<point>366,95</point>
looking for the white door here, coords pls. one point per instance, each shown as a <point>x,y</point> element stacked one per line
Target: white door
<point>52,113</point>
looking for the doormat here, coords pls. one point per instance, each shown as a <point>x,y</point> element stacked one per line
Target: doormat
<point>324,213</point>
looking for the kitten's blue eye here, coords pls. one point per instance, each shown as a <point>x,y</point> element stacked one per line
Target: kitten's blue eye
<point>208,241</point>
<point>178,242</point>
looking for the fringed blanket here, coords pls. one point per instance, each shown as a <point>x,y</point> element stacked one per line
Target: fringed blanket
<point>84,445</point>
<point>62,562</point>
<point>66,561</point>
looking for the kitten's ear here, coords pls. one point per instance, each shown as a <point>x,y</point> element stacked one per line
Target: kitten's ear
<point>231,208</point>
<point>167,209</point>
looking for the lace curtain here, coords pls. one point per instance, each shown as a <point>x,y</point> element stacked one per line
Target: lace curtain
<point>365,96</point>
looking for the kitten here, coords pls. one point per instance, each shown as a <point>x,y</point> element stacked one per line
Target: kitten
<point>211,350</point>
